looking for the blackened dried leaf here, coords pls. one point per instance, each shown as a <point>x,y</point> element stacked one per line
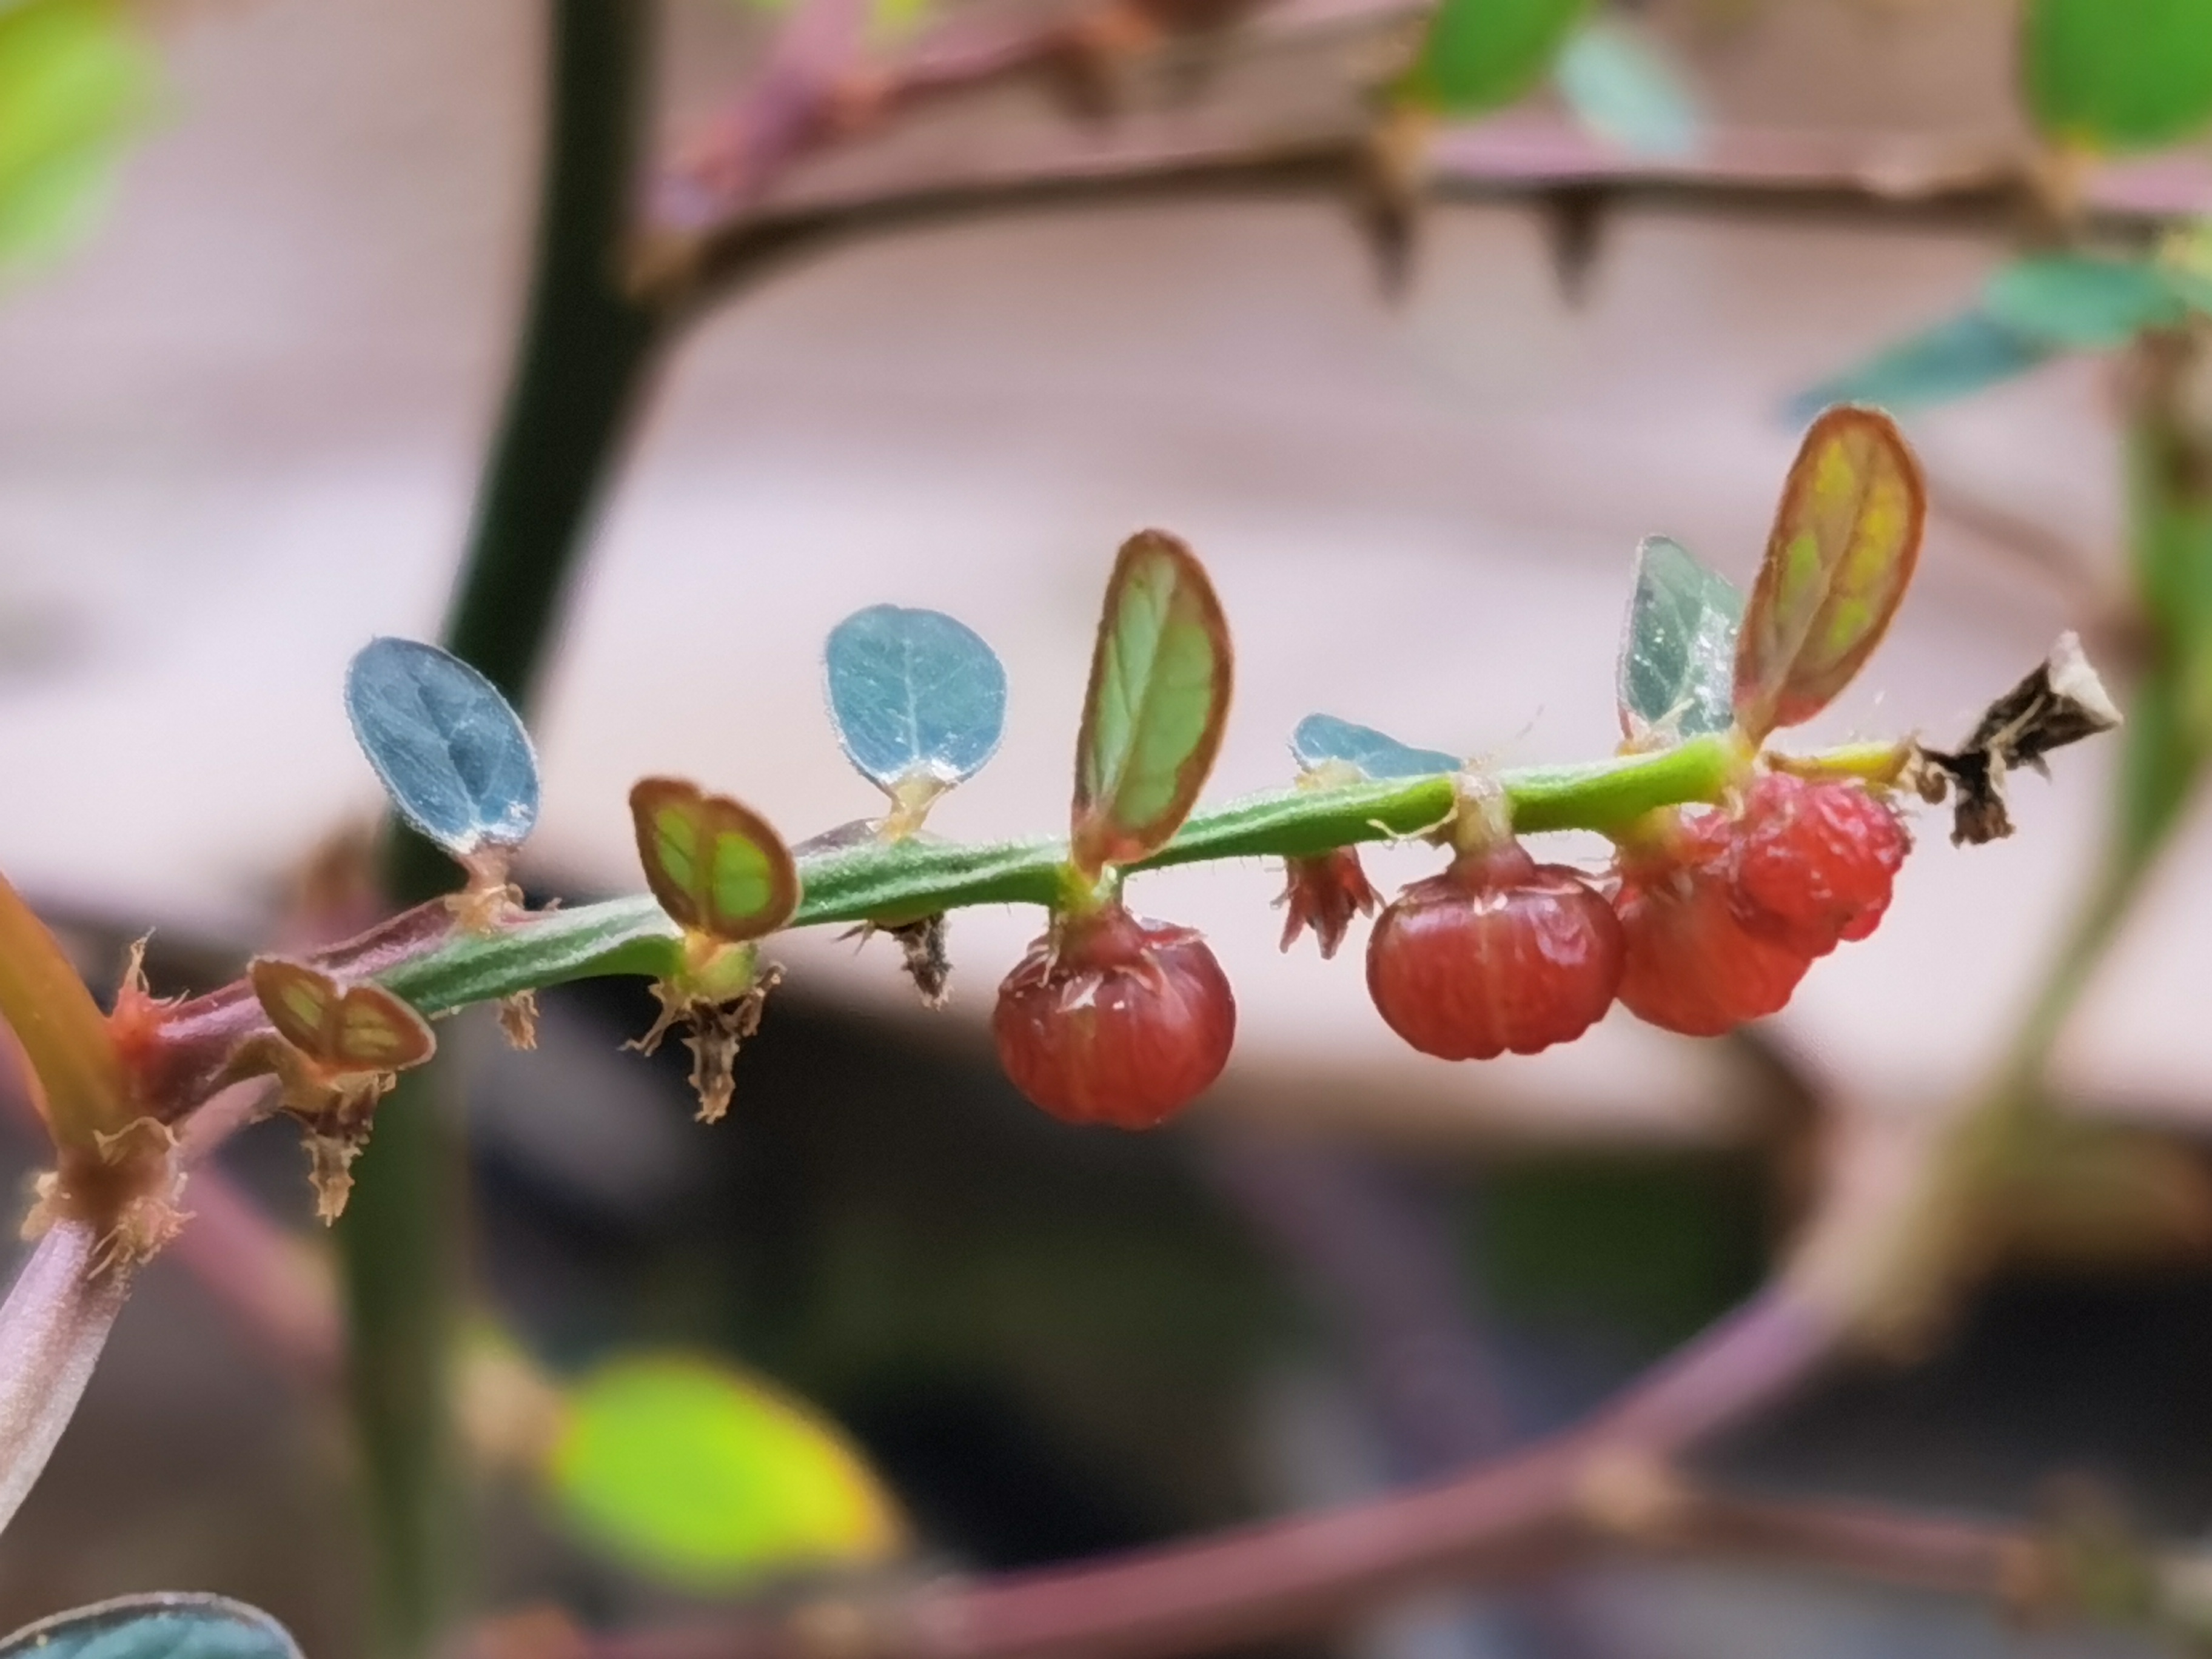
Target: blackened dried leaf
<point>2062,701</point>
<point>926,962</point>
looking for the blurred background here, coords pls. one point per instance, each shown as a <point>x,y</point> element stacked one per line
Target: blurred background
<point>242,419</point>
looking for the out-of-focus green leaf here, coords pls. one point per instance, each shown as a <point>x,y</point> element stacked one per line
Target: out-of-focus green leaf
<point>2118,75</point>
<point>1625,89</point>
<point>705,1477</point>
<point>164,1624</point>
<point>77,79</point>
<point>1678,653</point>
<point>2082,301</point>
<point>1480,55</point>
<point>1846,539</point>
<point>1951,359</point>
<point>1159,694</point>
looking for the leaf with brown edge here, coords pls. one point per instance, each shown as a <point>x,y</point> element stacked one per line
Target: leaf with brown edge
<point>1158,698</point>
<point>717,866</point>
<point>1846,537</point>
<point>344,1028</point>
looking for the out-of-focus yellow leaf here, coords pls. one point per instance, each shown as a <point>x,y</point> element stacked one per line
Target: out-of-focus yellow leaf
<point>77,79</point>
<point>703,1476</point>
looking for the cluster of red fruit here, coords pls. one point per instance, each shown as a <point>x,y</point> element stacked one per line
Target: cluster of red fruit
<point>1716,916</point>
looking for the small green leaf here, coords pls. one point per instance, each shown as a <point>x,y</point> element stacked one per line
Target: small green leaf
<point>450,752</point>
<point>1962,356</point>
<point>1480,55</point>
<point>77,79</point>
<point>918,699</point>
<point>708,1477</point>
<point>717,866</point>
<point>1678,652</point>
<point>164,1624</point>
<point>1625,90</point>
<point>2081,302</point>
<point>2118,75</point>
<point>1845,539</point>
<point>1322,738</point>
<point>1158,697</point>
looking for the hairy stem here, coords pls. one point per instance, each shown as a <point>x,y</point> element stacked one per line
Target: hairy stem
<point>896,881</point>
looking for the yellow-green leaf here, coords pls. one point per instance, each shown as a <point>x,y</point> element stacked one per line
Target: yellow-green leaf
<point>1159,696</point>
<point>63,1033</point>
<point>347,1028</point>
<point>2118,75</point>
<point>717,867</point>
<point>77,79</point>
<point>1845,540</point>
<point>706,1477</point>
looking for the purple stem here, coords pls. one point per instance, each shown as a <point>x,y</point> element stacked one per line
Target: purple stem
<point>52,1328</point>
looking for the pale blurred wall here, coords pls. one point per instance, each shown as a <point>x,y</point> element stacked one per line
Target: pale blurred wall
<point>238,433</point>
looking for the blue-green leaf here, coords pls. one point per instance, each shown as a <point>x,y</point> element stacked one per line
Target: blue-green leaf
<point>706,1477</point>
<point>1322,738</point>
<point>917,696</point>
<point>164,1625</point>
<point>1965,355</point>
<point>2082,301</point>
<point>451,755</point>
<point>1625,89</point>
<point>1678,652</point>
<point>77,79</point>
<point>1482,54</point>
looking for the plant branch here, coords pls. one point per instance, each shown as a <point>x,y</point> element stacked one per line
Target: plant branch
<point>1522,1512</point>
<point>896,881</point>
<point>1536,160</point>
<point>582,366</point>
<point>53,1326</point>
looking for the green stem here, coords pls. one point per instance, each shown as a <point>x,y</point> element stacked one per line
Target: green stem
<point>583,360</point>
<point>891,882</point>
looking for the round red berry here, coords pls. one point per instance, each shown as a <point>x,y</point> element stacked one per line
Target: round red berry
<point>1814,862</point>
<point>1498,953</point>
<point>1111,1019</point>
<point>1692,966</point>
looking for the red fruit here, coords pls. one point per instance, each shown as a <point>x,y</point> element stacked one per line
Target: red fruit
<point>1110,1020</point>
<point>1498,953</point>
<point>1693,967</point>
<point>1814,862</point>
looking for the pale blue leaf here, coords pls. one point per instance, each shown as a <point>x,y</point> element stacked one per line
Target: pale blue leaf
<point>164,1625</point>
<point>2082,301</point>
<point>1624,88</point>
<point>915,695</point>
<point>1964,355</point>
<point>1321,739</point>
<point>451,755</point>
<point>1678,653</point>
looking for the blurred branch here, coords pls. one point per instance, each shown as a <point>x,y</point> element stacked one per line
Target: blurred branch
<point>1525,1511</point>
<point>1531,161</point>
<point>1381,1261</point>
<point>581,364</point>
